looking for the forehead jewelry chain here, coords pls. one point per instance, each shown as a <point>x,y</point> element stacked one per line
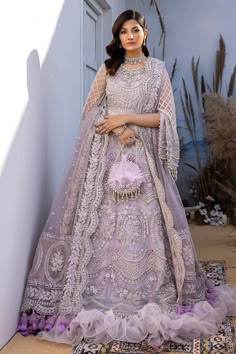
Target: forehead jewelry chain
<point>134,60</point>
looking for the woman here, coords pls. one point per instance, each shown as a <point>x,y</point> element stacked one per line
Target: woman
<point>115,259</point>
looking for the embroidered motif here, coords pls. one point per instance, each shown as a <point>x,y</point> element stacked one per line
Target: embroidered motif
<point>57,262</point>
<point>132,230</point>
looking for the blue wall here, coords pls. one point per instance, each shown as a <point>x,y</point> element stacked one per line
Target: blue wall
<point>193,28</point>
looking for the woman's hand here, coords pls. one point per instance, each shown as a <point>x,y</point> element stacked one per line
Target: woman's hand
<point>128,137</point>
<point>111,122</point>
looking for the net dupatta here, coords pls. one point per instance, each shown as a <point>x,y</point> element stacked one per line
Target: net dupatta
<point>96,93</point>
<point>168,144</point>
<point>45,289</point>
<point>63,220</point>
<point>162,150</point>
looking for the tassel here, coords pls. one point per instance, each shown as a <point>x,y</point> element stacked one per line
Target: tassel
<point>30,330</point>
<point>41,324</point>
<point>34,320</point>
<point>62,324</point>
<point>23,324</point>
<point>50,321</point>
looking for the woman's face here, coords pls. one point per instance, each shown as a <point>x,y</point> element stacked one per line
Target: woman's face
<point>132,36</point>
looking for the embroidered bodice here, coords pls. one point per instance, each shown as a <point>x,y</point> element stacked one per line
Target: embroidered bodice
<point>141,90</point>
<point>126,90</point>
<point>144,90</point>
<point>130,89</point>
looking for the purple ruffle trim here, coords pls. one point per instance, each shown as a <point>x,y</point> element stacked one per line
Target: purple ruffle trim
<point>34,323</point>
<point>211,297</point>
<point>189,321</point>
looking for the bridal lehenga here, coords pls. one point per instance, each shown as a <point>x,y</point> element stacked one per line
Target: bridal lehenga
<point>127,269</point>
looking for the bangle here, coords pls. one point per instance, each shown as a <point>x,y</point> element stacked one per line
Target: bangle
<point>121,131</point>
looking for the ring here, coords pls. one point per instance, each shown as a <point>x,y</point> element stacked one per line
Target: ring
<point>130,140</point>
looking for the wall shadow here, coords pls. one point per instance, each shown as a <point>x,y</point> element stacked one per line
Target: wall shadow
<point>38,156</point>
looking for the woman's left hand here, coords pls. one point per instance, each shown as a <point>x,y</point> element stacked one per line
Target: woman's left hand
<point>111,122</point>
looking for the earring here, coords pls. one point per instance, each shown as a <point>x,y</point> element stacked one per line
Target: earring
<point>144,42</point>
<point>120,46</point>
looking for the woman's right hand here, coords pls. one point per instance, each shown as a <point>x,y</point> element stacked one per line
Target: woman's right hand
<point>128,137</point>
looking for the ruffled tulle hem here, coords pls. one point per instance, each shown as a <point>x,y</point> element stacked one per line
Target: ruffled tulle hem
<point>189,322</point>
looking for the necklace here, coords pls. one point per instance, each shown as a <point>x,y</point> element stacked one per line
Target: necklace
<point>134,60</point>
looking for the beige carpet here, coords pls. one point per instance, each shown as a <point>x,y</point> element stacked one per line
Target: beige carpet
<point>211,242</point>
<point>33,345</point>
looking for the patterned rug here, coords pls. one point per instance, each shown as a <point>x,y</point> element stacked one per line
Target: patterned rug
<point>224,342</point>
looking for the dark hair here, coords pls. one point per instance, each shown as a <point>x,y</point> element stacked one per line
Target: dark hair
<point>113,48</point>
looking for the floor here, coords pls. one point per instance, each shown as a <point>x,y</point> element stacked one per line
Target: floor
<point>211,242</point>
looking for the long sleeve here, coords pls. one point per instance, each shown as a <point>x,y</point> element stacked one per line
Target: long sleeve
<point>96,91</point>
<point>168,137</point>
<point>166,102</point>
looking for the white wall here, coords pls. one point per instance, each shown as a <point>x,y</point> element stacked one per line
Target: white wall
<point>39,89</point>
<point>40,110</point>
<point>117,8</point>
<point>193,29</point>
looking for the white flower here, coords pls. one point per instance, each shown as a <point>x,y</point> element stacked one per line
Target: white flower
<point>93,289</point>
<point>211,199</point>
<point>124,293</point>
<point>200,205</point>
<point>203,211</point>
<point>152,278</point>
<point>57,262</point>
<point>217,207</point>
<point>213,212</point>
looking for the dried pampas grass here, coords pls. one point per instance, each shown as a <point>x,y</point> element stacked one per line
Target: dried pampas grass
<point>219,65</point>
<point>220,118</point>
<point>232,83</point>
<point>173,70</point>
<point>154,4</point>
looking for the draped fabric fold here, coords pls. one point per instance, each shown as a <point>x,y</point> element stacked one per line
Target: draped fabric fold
<point>48,282</point>
<point>168,138</point>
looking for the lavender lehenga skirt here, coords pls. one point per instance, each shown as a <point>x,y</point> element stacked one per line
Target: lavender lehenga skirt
<point>130,292</point>
<point>107,270</point>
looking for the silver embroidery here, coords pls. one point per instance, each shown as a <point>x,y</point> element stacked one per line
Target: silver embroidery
<point>104,255</point>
